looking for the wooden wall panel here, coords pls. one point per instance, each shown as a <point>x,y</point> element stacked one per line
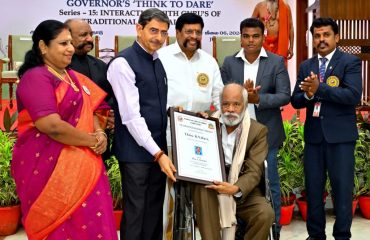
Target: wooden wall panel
<point>354,39</point>
<point>302,26</point>
<point>345,9</point>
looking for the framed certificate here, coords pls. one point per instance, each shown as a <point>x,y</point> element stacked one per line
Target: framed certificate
<point>196,147</point>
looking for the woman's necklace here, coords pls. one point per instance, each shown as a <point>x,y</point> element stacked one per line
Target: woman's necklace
<point>69,81</point>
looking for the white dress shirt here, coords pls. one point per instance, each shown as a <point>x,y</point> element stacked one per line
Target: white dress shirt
<point>228,144</point>
<point>250,72</point>
<point>122,79</point>
<point>184,88</point>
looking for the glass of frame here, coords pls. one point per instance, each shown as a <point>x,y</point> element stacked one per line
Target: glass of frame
<point>196,147</point>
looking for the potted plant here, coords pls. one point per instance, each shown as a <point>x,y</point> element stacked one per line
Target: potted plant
<point>114,176</point>
<point>9,203</point>
<point>290,167</point>
<point>362,169</point>
<point>364,199</point>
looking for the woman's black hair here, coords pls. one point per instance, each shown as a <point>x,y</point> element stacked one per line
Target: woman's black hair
<point>46,31</point>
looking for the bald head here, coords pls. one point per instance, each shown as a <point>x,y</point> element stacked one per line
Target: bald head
<point>81,36</point>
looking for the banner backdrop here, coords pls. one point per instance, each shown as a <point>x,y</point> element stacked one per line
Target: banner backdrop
<point>118,17</point>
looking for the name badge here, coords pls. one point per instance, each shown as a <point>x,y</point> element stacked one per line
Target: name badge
<point>86,90</point>
<point>202,79</point>
<point>316,109</point>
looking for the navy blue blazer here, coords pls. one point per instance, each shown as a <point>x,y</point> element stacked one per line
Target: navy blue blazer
<point>273,78</point>
<point>337,120</point>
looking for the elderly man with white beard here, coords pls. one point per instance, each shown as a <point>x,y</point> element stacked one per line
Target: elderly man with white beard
<point>244,142</point>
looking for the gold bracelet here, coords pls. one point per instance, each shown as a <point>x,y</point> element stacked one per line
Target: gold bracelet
<point>99,130</point>
<point>96,144</point>
<point>104,134</point>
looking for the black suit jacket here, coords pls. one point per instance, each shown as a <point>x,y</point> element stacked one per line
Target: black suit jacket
<point>337,120</point>
<point>273,78</point>
<point>96,70</point>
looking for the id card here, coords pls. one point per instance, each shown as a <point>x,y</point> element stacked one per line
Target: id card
<point>316,109</point>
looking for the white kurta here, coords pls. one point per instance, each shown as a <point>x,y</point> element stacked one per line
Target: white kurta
<point>185,88</point>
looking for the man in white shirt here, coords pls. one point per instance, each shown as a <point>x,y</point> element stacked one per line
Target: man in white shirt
<point>139,84</point>
<point>194,80</point>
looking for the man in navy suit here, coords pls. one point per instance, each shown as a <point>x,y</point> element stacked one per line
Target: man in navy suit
<point>267,81</point>
<point>329,87</point>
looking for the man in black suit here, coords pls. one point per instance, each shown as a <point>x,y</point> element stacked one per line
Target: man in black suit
<point>267,81</point>
<point>94,68</point>
<point>329,87</point>
<point>82,62</point>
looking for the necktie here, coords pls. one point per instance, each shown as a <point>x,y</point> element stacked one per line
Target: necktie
<point>322,69</point>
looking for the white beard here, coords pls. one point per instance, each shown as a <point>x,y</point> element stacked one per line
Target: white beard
<point>272,6</point>
<point>232,119</point>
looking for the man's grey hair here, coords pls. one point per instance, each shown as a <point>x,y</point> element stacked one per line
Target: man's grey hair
<point>244,92</point>
<point>153,13</point>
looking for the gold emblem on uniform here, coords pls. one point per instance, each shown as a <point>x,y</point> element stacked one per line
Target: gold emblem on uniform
<point>202,79</point>
<point>332,81</point>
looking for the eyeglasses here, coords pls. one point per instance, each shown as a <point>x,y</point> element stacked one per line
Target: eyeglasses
<point>192,31</point>
<point>156,31</point>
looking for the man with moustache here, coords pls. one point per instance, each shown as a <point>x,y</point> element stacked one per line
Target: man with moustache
<point>92,67</point>
<point>194,80</point>
<point>83,42</point>
<point>329,86</point>
<point>277,17</point>
<point>244,143</point>
<point>139,83</point>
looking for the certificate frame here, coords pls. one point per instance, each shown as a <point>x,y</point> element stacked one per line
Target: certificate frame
<point>217,164</point>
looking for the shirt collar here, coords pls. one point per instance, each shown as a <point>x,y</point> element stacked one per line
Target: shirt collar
<point>155,54</point>
<point>328,57</point>
<point>241,55</point>
<point>177,50</point>
<point>223,125</point>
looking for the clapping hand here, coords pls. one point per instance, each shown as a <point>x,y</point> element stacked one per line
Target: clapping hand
<point>310,84</point>
<point>253,96</point>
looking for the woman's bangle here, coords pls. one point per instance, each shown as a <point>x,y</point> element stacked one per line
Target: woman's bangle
<point>104,134</point>
<point>97,142</point>
<point>158,155</point>
<point>99,130</point>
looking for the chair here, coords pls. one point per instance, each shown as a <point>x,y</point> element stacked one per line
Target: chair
<point>170,40</point>
<point>225,46</point>
<point>18,45</point>
<point>122,42</point>
<point>95,51</point>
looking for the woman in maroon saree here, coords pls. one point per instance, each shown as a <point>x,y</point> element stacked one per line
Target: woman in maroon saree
<point>61,180</point>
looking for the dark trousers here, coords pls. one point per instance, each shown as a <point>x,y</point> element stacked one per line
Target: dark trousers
<point>274,181</point>
<point>338,160</point>
<point>143,188</point>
